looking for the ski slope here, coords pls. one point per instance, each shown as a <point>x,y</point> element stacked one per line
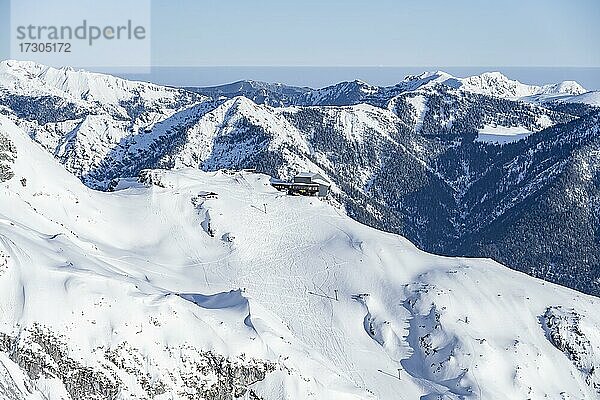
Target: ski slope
<point>186,284</point>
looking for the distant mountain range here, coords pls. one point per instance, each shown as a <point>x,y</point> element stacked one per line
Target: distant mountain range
<point>478,166</point>
<point>356,92</point>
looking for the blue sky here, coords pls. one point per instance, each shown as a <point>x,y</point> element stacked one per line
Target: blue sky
<point>414,35</point>
<point>377,32</point>
<point>370,33</point>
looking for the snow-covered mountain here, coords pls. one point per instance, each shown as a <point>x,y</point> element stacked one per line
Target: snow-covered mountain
<point>421,158</point>
<point>82,117</point>
<point>273,94</point>
<point>497,84</point>
<point>90,91</point>
<point>186,284</point>
<point>345,93</point>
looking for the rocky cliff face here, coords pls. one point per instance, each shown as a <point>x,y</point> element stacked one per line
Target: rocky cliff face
<point>7,156</point>
<point>44,356</point>
<point>564,329</point>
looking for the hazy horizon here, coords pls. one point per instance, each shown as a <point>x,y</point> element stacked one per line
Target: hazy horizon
<point>202,34</point>
<point>316,77</point>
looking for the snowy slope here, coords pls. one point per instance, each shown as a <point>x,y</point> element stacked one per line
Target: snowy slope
<point>591,98</point>
<point>74,265</point>
<point>236,130</point>
<point>169,291</point>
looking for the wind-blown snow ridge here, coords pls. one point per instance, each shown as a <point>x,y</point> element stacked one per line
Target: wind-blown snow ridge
<point>155,290</point>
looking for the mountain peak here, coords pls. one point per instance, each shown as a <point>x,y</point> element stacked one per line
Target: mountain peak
<point>499,85</point>
<point>564,87</point>
<point>361,82</point>
<point>428,76</point>
<point>427,79</point>
<point>494,75</point>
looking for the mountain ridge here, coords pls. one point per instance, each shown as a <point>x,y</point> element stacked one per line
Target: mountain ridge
<point>489,83</point>
<point>421,163</point>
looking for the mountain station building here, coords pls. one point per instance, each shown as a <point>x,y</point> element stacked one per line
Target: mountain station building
<point>305,184</point>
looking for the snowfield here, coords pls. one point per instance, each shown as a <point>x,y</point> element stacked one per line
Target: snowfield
<point>502,134</point>
<point>420,105</point>
<point>186,285</point>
